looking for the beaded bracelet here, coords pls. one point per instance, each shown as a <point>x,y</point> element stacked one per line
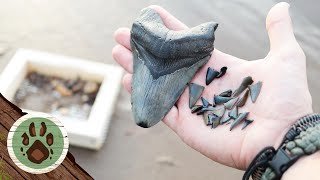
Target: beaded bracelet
<point>302,139</point>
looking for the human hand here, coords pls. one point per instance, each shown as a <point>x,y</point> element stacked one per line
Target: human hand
<point>284,96</point>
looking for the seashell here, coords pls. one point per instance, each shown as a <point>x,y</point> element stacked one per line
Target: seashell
<point>214,119</point>
<point>241,117</point>
<point>205,102</point>
<point>219,111</point>
<point>246,123</point>
<point>230,104</point>
<point>255,91</point>
<point>204,109</point>
<point>220,99</point>
<point>211,75</point>
<point>242,101</point>
<point>164,62</point>
<point>244,84</point>
<point>222,72</point>
<point>195,92</point>
<point>233,113</point>
<point>227,93</point>
<point>196,108</point>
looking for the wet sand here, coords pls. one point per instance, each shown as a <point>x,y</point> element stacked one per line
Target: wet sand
<point>84,29</point>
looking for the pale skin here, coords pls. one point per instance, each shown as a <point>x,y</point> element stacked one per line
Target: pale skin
<point>284,97</point>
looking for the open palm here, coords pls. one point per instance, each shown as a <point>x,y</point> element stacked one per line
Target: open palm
<point>284,96</point>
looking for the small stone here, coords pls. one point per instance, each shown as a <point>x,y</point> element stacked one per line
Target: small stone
<point>63,90</point>
<point>297,151</point>
<point>90,87</point>
<point>291,145</point>
<point>165,160</point>
<point>310,149</point>
<point>64,111</point>
<point>84,98</point>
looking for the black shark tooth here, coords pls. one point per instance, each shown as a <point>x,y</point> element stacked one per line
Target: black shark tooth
<point>211,75</point>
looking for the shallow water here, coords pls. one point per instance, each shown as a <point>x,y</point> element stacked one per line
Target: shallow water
<point>84,29</point>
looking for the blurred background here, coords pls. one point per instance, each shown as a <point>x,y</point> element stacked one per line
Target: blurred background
<point>84,29</point>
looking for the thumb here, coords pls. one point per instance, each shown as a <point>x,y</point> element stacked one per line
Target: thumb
<point>279,27</point>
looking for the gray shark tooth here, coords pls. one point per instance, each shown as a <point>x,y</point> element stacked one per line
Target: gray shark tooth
<point>255,91</point>
<point>164,62</point>
<point>227,93</point>
<point>195,91</point>
<point>246,123</point>
<point>243,99</point>
<point>240,118</point>
<point>225,120</point>
<point>211,75</point>
<point>214,119</point>
<point>244,84</point>
<point>205,102</point>
<point>219,111</point>
<point>220,99</point>
<point>222,72</point>
<point>229,105</point>
<point>204,109</point>
<point>233,113</point>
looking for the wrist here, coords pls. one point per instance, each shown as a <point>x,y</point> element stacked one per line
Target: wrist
<point>305,168</point>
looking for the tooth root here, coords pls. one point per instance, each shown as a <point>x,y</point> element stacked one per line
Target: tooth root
<point>196,108</point>
<point>230,104</point>
<point>240,118</point>
<point>222,72</point>
<point>244,84</point>
<point>211,75</point>
<point>255,91</point>
<point>243,99</point>
<point>227,93</point>
<point>195,92</point>
<point>246,123</point>
<point>220,99</point>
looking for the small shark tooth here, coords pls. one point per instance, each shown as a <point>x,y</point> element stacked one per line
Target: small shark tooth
<point>233,113</point>
<point>225,120</point>
<point>240,118</point>
<point>222,72</point>
<point>243,99</point>
<point>195,92</point>
<point>244,84</point>
<point>219,111</point>
<point>246,123</point>
<point>214,119</point>
<point>229,105</point>
<point>255,91</point>
<point>220,99</point>
<point>196,108</point>
<point>211,75</point>
<point>204,109</point>
<point>227,93</point>
<point>164,62</point>
<point>205,102</point>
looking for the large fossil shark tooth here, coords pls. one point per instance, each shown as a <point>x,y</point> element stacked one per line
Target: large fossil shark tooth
<point>244,84</point>
<point>255,91</point>
<point>164,62</point>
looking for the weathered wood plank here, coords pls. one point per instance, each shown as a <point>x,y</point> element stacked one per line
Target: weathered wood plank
<point>69,169</point>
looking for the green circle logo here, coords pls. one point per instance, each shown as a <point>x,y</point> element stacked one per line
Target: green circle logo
<point>37,144</point>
